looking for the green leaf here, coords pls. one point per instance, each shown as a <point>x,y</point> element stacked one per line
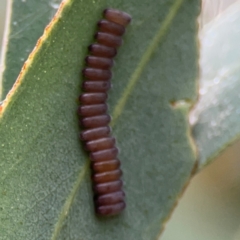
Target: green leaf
<point>27,20</point>
<point>216,116</point>
<point>2,14</point>
<point>44,172</point>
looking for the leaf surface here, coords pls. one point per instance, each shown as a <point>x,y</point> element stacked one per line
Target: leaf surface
<point>44,172</point>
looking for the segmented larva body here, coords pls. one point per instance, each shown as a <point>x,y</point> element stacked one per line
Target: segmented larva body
<point>107,184</point>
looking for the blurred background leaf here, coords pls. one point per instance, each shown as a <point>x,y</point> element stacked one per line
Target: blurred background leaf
<point>217,113</point>
<point>210,207</point>
<point>2,23</point>
<point>26,26</point>
<point>212,8</point>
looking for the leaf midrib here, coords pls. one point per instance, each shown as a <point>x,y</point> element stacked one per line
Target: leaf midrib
<point>120,106</point>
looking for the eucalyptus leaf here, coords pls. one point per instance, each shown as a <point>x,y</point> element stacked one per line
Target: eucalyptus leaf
<point>27,20</point>
<point>45,180</point>
<point>216,116</point>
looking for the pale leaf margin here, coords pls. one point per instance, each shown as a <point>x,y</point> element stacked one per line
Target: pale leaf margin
<point>4,43</point>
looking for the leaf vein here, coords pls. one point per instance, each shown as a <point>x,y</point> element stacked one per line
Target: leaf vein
<point>69,201</point>
<point>145,59</point>
<point>120,106</point>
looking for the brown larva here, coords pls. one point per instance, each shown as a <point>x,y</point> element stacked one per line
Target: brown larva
<point>107,184</point>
